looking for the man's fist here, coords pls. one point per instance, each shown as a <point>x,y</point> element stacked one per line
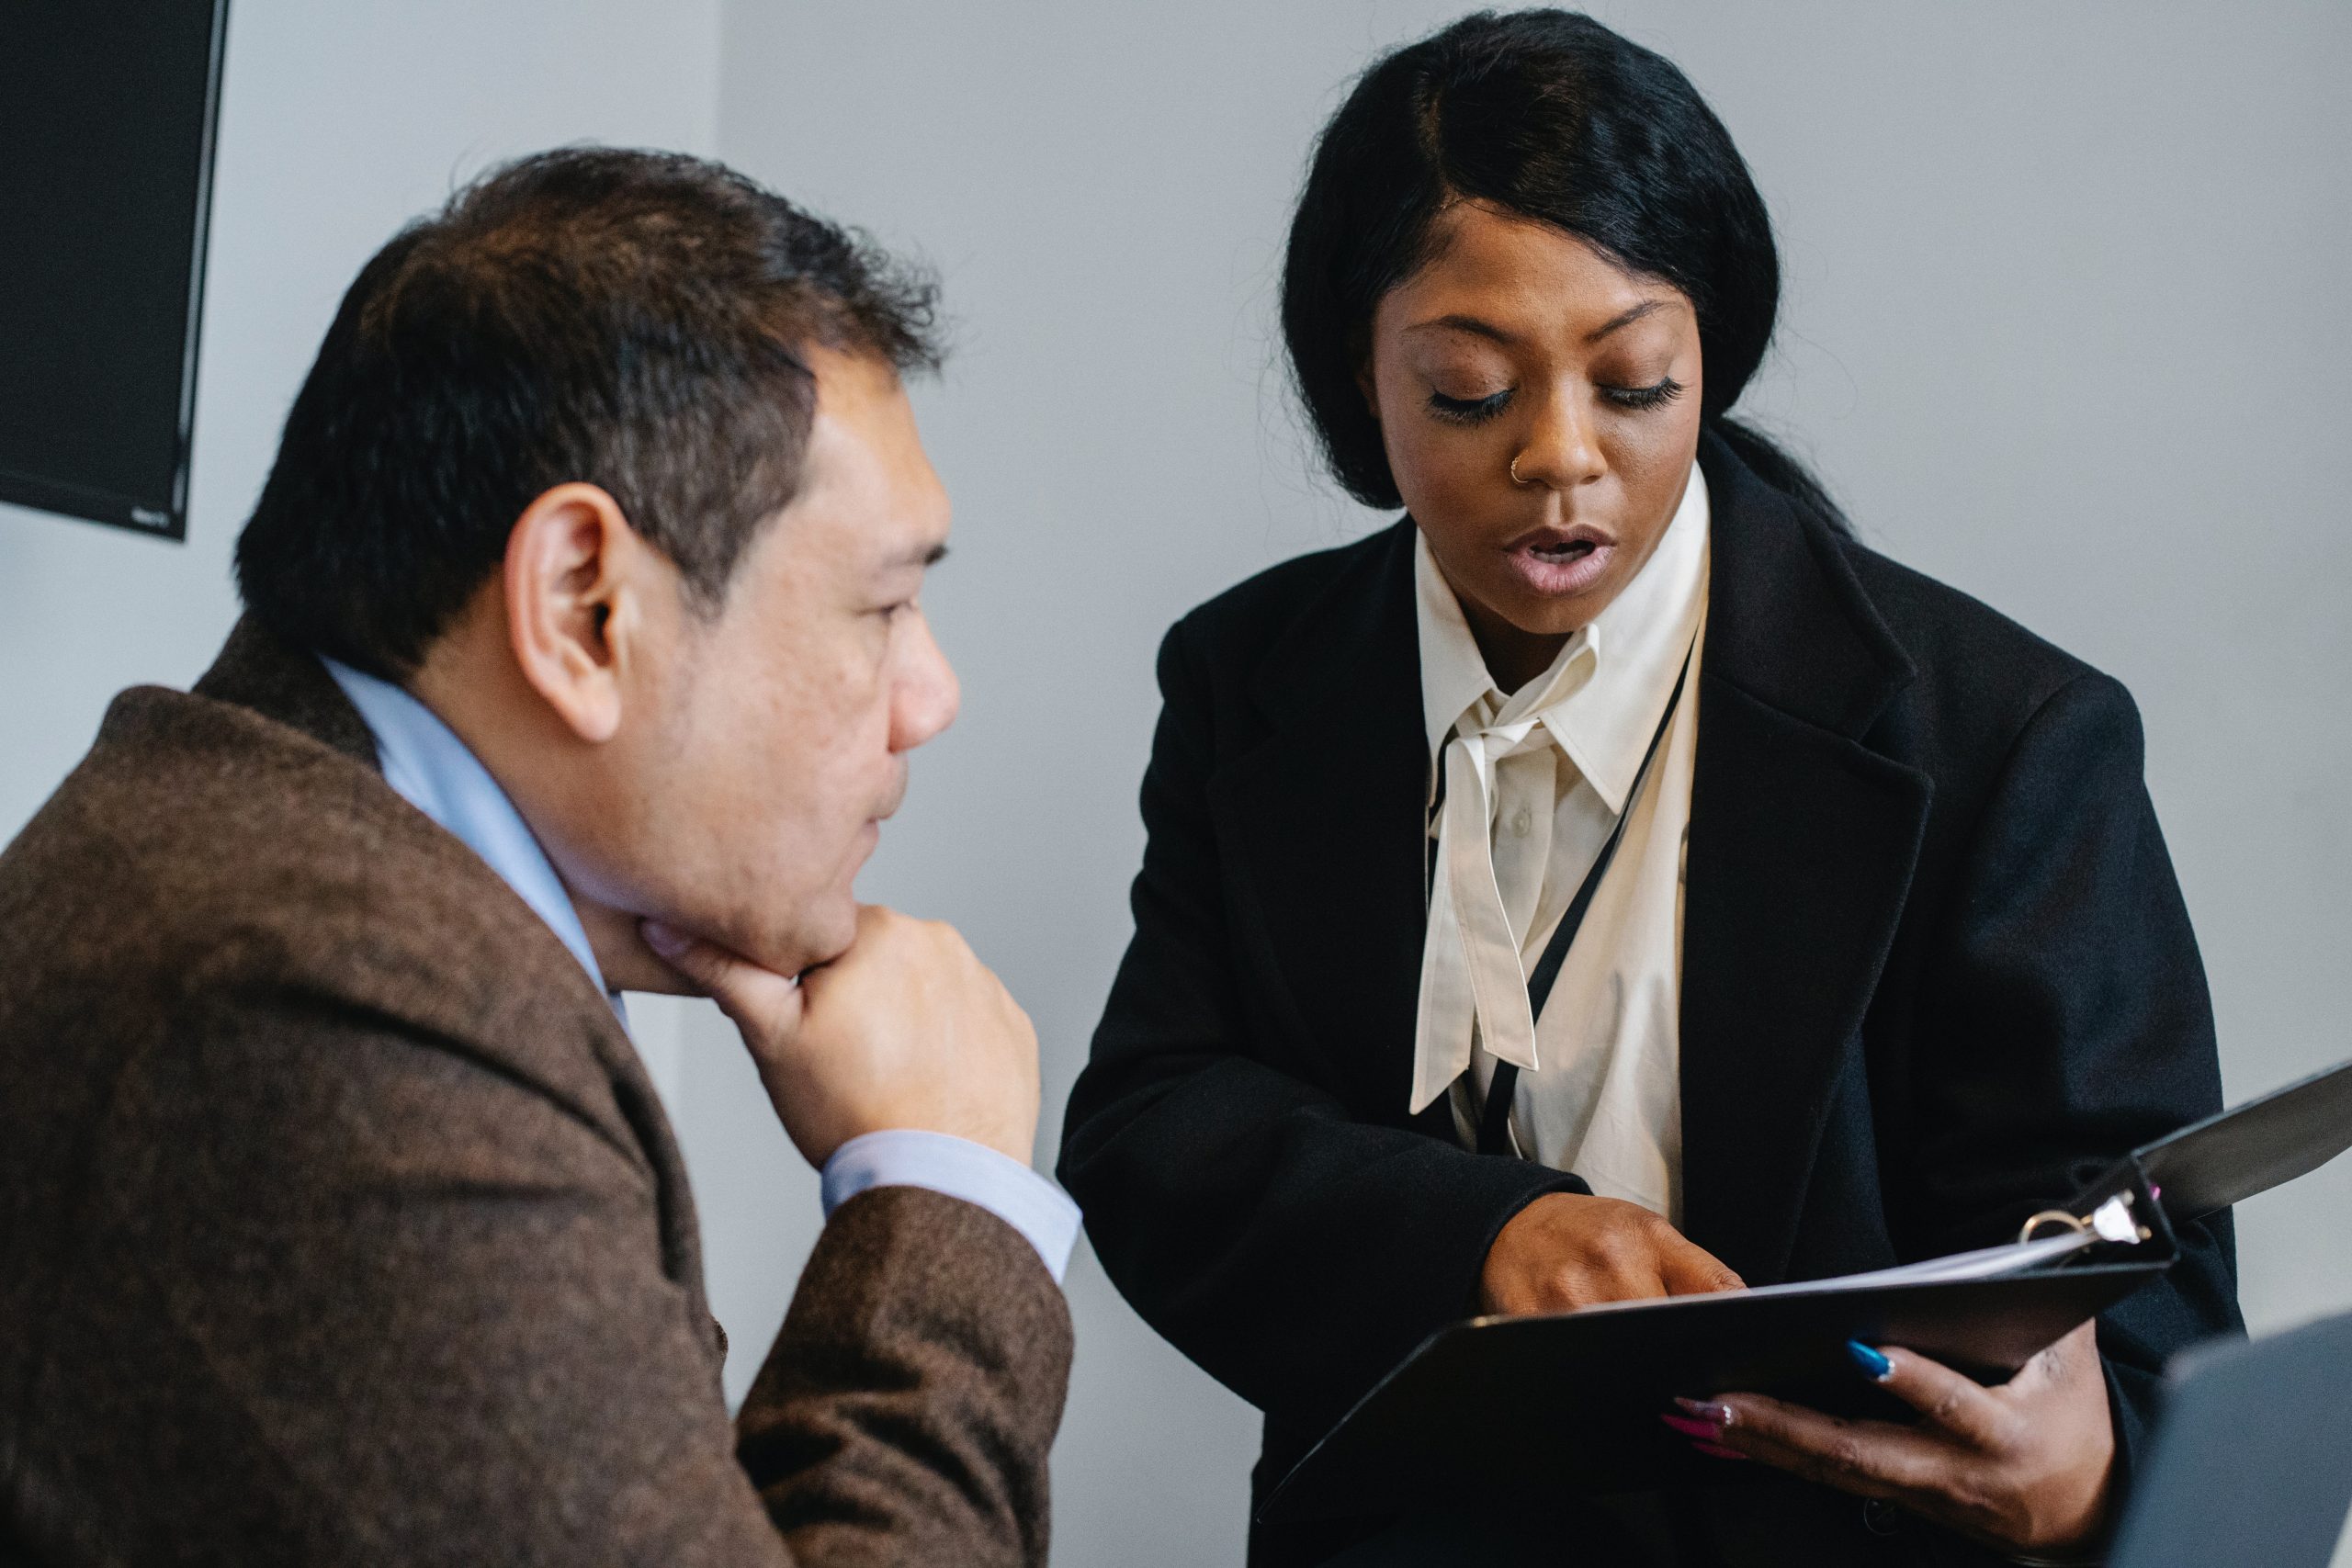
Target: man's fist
<point>905,1030</point>
<point>1565,1251</point>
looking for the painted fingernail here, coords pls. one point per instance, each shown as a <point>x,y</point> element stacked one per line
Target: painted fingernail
<point>1714,1413</point>
<point>1700,1431</point>
<point>1716,1450</point>
<point>1874,1364</point>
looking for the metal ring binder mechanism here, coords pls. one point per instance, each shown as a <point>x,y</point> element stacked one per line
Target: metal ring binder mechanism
<point>2112,1221</point>
<point>1568,1400</point>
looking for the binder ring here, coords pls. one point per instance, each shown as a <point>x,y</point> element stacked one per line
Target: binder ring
<point>2074,1223</point>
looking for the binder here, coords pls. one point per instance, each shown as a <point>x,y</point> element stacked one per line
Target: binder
<point>1570,1402</point>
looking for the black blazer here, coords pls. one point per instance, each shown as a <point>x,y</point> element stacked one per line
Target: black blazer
<point>1936,970</point>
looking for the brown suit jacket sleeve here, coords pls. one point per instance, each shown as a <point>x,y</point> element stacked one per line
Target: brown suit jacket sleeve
<point>356,1293</point>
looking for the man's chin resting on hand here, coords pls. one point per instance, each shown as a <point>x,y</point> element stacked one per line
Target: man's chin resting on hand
<point>584,651</point>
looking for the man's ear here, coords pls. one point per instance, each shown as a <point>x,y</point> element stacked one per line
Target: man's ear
<point>576,580</point>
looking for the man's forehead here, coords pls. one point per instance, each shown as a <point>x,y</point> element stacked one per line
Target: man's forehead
<point>876,530</point>
<point>866,474</point>
<point>899,525</point>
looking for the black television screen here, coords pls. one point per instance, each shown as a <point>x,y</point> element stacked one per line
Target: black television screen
<point>106,115</point>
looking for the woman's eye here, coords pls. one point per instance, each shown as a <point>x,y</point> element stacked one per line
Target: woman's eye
<point>1468,411</point>
<point>1656,395</point>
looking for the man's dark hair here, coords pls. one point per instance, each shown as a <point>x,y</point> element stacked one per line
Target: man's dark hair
<point>1549,114</point>
<point>635,320</point>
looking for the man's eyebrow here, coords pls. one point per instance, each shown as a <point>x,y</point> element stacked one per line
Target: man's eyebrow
<point>1625,318</point>
<point>921,555</point>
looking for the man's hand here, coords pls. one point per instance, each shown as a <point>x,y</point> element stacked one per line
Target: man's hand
<point>906,1029</point>
<point>2023,1468</point>
<point>1564,1251</point>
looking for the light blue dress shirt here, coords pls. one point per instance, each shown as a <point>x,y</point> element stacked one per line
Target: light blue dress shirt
<point>434,772</point>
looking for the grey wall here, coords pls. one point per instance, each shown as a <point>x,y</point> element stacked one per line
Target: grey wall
<point>2064,328</point>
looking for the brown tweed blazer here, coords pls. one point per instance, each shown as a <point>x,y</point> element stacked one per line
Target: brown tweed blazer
<point>339,1223</point>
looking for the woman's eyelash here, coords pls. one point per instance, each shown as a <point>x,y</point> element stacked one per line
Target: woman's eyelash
<point>1650,397</point>
<point>1478,411</point>
<point>1468,411</point>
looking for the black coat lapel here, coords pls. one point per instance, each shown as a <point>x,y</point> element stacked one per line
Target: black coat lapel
<point>1801,846</point>
<point>1326,826</point>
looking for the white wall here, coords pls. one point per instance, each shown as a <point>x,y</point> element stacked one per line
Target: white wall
<point>2064,328</point>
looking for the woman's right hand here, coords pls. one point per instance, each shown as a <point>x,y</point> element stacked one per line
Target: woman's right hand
<point>1565,1251</point>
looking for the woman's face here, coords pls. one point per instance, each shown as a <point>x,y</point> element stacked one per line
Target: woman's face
<point>1521,344</point>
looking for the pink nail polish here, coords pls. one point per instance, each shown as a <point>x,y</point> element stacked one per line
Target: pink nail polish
<point>1712,1412</point>
<point>1697,1430</point>
<point>1716,1450</point>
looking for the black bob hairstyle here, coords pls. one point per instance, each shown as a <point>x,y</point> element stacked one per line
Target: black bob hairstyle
<point>1549,114</point>
<point>635,320</point>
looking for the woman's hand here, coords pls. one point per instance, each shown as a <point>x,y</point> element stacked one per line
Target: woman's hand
<point>1565,1251</point>
<point>2024,1468</point>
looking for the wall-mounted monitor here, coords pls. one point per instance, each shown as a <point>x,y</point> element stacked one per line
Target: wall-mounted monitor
<point>106,117</point>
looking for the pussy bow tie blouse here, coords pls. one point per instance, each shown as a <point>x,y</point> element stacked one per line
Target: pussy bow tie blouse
<point>1535,781</point>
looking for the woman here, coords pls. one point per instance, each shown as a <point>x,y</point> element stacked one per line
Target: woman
<point>1872,947</point>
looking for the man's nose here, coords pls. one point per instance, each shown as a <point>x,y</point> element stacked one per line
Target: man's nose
<point>927,694</point>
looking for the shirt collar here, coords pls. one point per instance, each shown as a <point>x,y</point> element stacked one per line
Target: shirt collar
<point>1601,695</point>
<point>437,772</point>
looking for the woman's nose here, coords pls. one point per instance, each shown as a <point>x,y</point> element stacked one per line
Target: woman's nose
<point>1563,449</point>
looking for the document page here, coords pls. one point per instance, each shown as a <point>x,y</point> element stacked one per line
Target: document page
<point>1985,1263</point>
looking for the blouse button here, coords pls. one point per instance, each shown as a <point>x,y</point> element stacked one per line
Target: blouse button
<point>1523,823</point>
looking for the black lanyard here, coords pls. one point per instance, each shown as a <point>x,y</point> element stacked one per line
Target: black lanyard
<point>1494,1123</point>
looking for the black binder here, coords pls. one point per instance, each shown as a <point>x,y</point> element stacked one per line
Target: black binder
<point>1570,1401</point>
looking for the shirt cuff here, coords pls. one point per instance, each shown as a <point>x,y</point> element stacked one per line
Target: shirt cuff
<point>959,1169</point>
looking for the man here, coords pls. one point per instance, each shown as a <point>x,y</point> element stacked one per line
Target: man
<point>339,1221</point>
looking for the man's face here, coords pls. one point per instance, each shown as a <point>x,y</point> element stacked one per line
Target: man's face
<point>775,733</point>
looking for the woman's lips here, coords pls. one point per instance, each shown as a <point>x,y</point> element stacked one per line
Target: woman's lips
<point>1560,565</point>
